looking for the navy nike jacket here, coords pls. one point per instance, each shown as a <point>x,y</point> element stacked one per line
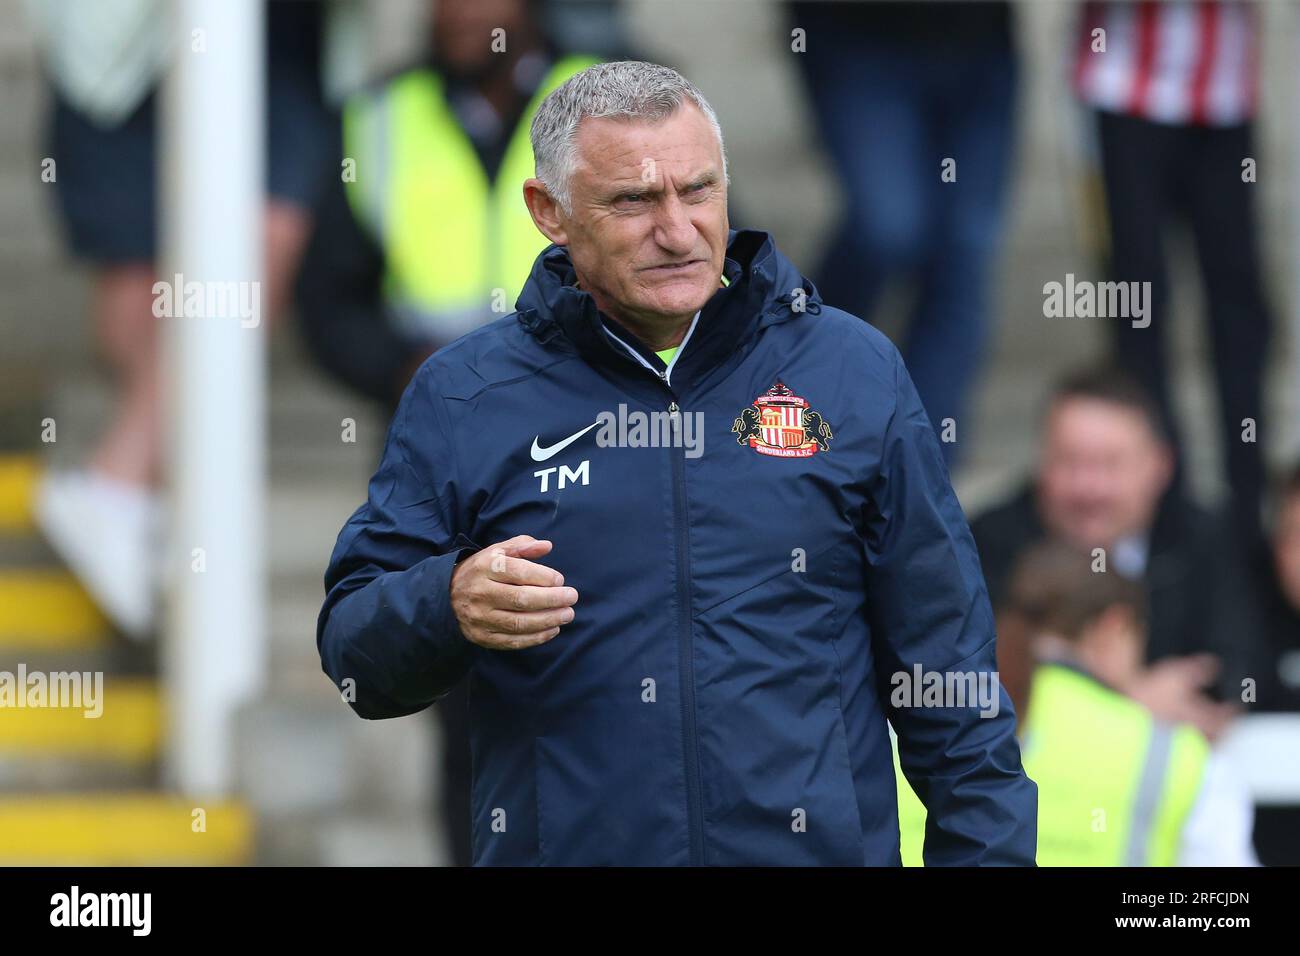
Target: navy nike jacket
<point>722,695</point>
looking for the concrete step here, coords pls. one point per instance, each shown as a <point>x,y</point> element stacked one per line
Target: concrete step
<point>302,750</point>
<point>305,440</point>
<point>18,478</point>
<point>123,829</point>
<point>354,839</point>
<point>48,610</point>
<point>50,773</point>
<point>127,731</point>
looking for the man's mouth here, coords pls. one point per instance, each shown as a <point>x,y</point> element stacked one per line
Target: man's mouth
<point>669,268</point>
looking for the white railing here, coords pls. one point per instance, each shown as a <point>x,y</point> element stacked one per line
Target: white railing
<point>1264,750</point>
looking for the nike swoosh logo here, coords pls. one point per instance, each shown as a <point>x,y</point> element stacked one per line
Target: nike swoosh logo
<point>541,454</point>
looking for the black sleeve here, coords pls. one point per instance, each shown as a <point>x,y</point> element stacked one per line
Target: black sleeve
<point>341,307</point>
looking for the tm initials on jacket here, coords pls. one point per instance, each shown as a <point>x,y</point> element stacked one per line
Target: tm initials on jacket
<point>722,696</point>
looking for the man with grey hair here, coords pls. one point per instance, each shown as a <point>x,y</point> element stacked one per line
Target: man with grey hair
<point>747,526</point>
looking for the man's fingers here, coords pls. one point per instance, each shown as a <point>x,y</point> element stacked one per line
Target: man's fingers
<point>517,541</point>
<point>513,642</point>
<point>523,546</point>
<point>526,597</point>
<point>505,569</point>
<point>1209,666</point>
<point>1202,663</point>
<point>522,605</point>
<point>525,622</point>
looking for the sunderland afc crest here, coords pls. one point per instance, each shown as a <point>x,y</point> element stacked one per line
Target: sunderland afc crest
<point>781,424</point>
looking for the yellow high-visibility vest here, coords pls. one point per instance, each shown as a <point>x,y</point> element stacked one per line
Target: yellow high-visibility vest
<point>456,247</point>
<point>1115,785</point>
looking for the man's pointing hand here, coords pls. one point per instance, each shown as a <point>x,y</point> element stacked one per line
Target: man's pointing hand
<point>504,600</point>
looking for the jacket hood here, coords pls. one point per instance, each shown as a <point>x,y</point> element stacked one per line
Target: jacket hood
<point>763,289</point>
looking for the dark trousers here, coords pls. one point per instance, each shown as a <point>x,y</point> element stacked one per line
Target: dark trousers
<point>1155,174</point>
<point>890,114</point>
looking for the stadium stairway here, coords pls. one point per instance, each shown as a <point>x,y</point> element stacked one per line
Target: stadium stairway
<point>77,788</point>
<point>315,784</point>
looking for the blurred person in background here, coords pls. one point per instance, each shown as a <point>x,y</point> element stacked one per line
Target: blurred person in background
<point>105,62</point>
<point>384,284</point>
<point>431,238</point>
<point>899,90</point>
<point>1103,481</point>
<point>1276,571</point>
<point>1121,785</point>
<point>1175,95</point>
<point>1117,784</point>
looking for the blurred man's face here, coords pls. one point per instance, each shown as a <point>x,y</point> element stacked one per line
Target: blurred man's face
<point>1102,472</point>
<point>1286,550</point>
<point>648,230</point>
<point>462,33</point>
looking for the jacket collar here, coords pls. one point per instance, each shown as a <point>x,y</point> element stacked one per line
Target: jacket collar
<point>762,287</point>
<point>1068,665</point>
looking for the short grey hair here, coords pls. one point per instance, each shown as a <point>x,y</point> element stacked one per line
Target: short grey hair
<point>628,88</point>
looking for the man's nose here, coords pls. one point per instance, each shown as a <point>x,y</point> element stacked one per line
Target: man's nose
<point>674,231</point>
<point>1090,485</point>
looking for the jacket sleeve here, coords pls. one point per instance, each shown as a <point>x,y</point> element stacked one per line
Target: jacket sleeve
<point>387,624</point>
<point>929,609</point>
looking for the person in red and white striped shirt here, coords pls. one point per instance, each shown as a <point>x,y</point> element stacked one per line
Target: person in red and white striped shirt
<point>1184,63</point>
<point>1174,89</point>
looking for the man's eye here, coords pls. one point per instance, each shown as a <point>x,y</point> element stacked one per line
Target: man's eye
<point>631,197</point>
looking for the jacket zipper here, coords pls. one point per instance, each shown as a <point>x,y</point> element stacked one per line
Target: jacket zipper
<point>685,649</point>
<point>685,656</point>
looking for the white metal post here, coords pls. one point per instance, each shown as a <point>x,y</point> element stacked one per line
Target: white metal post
<point>211,160</point>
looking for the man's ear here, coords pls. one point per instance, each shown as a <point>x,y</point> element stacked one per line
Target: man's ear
<point>546,212</point>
